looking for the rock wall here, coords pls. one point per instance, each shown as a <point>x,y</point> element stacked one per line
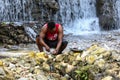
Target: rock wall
<point>106,11</point>
<point>43,10</point>
<point>27,10</point>
<point>13,34</point>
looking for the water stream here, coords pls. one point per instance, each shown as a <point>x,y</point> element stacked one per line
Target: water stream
<point>15,10</point>
<point>77,16</point>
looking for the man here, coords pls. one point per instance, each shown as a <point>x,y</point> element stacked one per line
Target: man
<point>51,36</point>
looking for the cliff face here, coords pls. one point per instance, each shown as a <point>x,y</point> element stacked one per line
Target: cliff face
<point>13,34</point>
<point>43,10</point>
<point>107,13</point>
<point>106,10</point>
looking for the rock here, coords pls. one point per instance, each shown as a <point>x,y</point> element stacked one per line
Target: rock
<point>113,71</point>
<point>55,75</point>
<point>108,78</point>
<point>53,5</point>
<point>78,58</point>
<point>106,54</point>
<point>37,71</point>
<point>5,74</point>
<point>115,55</point>
<point>66,77</point>
<point>7,46</point>
<point>14,34</point>
<point>23,78</point>
<point>27,65</point>
<point>100,63</point>
<point>59,58</point>
<point>118,75</point>
<point>46,67</point>
<point>106,14</point>
<point>2,72</point>
<point>37,65</point>
<point>69,68</point>
<point>19,70</point>
<point>11,66</point>
<point>41,77</point>
<point>91,59</point>
<point>63,78</point>
<point>1,63</point>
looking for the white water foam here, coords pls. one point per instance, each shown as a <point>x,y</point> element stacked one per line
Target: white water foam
<point>83,27</point>
<point>31,33</point>
<point>79,17</point>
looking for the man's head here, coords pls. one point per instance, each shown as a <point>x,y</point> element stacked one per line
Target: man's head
<point>51,25</point>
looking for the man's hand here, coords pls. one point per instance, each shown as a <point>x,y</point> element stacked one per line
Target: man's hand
<point>47,48</point>
<point>55,52</point>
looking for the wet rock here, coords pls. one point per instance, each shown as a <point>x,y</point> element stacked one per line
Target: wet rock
<point>11,66</point>
<point>95,60</point>
<point>106,14</point>
<point>46,67</point>
<point>108,78</point>
<point>23,78</point>
<point>5,74</point>
<point>59,58</point>
<point>2,72</point>
<point>69,68</point>
<point>53,5</point>
<point>13,34</point>
<point>115,55</point>
<point>100,63</point>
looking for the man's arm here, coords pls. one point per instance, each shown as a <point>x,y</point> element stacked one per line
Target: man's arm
<point>60,38</point>
<point>42,36</point>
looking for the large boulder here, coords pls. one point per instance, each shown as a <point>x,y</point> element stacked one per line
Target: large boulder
<point>13,34</point>
<point>44,10</point>
<point>106,13</point>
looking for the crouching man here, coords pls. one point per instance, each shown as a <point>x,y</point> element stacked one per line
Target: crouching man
<point>51,36</point>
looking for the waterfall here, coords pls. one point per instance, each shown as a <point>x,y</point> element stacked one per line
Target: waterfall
<point>15,10</point>
<point>118,12</point>
<point>31,33</point>
<point>78,16</point>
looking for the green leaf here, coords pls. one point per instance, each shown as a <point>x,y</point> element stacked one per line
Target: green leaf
<point>78,72</point>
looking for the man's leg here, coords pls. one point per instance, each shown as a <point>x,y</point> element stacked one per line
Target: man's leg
<point>40,47</point>
<point>63,46</point>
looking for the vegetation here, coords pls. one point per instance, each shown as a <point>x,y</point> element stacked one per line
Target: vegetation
<point>82,73</point>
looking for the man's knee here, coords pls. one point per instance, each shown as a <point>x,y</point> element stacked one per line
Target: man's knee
<point>65,43</point>
<point>37,36</point>
<point>38,40</point>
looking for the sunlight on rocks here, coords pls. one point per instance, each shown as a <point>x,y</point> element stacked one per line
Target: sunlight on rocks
<point>89,63</point>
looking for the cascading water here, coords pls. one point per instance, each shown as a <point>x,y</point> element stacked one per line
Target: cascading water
<point>118,11</point>
<point>78,16</point>
<point>15,10</point>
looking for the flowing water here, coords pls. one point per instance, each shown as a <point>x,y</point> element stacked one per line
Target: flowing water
<point>15,10</point>
<point>118,11</point>
<point>79,16</point>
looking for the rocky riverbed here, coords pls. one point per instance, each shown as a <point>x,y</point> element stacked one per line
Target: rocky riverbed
<point>97,58</point>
